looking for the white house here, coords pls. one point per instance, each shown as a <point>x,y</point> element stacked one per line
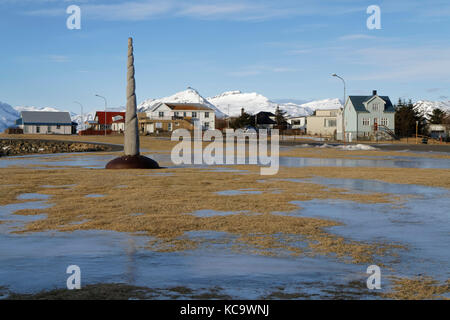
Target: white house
<point>366,117</point>
<point>193,112</point>
<point>322,123</point>
<point>297,123</point>
<point>45,122</point>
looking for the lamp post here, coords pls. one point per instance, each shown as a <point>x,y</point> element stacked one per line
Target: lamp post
<point>417,130</point>
<point>82,121</point>
<point>343,110</point>
<point>105,109</point>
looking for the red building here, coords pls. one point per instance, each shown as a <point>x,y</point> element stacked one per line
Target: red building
<point>106,122</point>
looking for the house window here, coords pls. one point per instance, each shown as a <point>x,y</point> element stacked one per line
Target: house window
<point>49,129</point>
<point>384,122</point>
<point>366,122</point>
<point>206,114</point>
<point>329,123</point>
<point>206,125</point>
<point>184,114</point>
<point>176,113</point>
<point>169,126</point>
<point>194,114</point>
<point>38,129</point>
<point>376,107</point>
<point>58,126</point>
<point>161,114</point>
<point>158,125</point>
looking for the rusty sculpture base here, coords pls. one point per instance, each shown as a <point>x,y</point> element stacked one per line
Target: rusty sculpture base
<point>133,162</point>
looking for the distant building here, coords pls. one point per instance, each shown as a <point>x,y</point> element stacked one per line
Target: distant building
<point>438,131</point>
<point>367,117</point>
<point>322,123</point>
<point>172,115</point>
<point>297,123</point>
<point>113,121</point>
<point>265,120</point>
<point>46,122</point>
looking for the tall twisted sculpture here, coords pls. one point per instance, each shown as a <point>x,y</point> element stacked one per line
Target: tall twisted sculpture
<point>132,158</point>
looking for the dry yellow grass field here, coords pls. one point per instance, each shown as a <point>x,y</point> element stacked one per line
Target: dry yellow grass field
<point>163,206</point>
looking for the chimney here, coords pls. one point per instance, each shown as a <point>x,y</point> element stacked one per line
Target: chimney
<point>374,93</point>
<point>242,111</point>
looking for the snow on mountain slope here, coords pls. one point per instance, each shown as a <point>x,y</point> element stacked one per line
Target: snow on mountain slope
<point>232,102</point>
<point>254,103</point>
<point>189,95</point>
<point>8,116</point>
<point>426,107</point>
<point>325,104</point>
<point>27,108</point>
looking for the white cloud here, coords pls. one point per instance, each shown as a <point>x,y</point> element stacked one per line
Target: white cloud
<point>412,63</point>
<point>57,58</point>
<point>260,69</point>
<point>244,10</point>
<point>356,37</point>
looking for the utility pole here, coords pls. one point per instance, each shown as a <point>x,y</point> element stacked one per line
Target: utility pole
<point>228,116</point>
<point>106,114</point>
<point>417,131</point>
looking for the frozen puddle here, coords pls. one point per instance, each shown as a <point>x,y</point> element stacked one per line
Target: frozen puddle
<point>212,213</point>
<point>410,162</point>
<point>84,161</point>
<point>94,196</point>
<point>238,192</point>
<point>13,221</point>
<point>421,223</point>
<point>33,196</point>
<point>33,262</point>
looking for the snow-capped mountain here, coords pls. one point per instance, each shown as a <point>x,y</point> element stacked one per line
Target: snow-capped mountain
<point>426,107</point>
<point>231,103</point>
<point>8,116</point>
<point>19,109</point>
<point>189,95</point>
<point>307,109</point>
<point>325,104</point>
<point>234,101</point>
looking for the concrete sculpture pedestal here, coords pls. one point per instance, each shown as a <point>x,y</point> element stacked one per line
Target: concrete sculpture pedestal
<point>132,158</point>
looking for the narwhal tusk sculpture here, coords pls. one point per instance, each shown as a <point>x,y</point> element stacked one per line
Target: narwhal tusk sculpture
<point>132,158</point>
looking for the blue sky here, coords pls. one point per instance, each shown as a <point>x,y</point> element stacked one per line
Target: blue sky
<point>281,49</point>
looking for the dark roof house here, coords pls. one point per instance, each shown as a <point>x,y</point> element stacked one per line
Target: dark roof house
<point>359,101</point>
<point>44,118</point>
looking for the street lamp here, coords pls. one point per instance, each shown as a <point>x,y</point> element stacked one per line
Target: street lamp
<point>105,109</point>
<point>82,121</point>
<point>343,110</point>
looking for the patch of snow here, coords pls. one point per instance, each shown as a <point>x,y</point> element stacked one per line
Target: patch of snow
<point>354,147</point>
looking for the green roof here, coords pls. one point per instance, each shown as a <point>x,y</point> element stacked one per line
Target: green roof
<point>358,103</point>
